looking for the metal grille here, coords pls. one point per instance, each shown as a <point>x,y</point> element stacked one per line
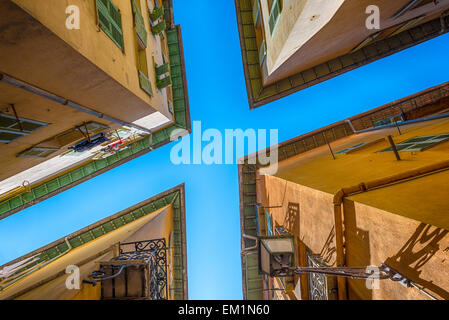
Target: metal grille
<point>140,271</point>
<point>155,251</point>
<point>317,282</point>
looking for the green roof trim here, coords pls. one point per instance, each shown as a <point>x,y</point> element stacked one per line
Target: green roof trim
<point>259,95</point>
<point>160,138</point>
<point>175,196</point>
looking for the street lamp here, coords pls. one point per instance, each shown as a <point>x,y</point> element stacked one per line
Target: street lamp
<point>277,255</point>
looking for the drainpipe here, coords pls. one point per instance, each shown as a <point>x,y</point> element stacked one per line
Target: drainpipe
<point>365,187</point>
<point>50,96</point>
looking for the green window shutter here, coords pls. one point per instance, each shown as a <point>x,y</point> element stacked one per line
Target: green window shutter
<point>110,21</point>
<point>162,69</point>
<point>163,83</point>
<point>157,13</point>
<point>145,83</point>
<point>37,152</point>
<point>160,27</point>
<point>274,15</point>
<point>262,52</point>
<point>139,24</point>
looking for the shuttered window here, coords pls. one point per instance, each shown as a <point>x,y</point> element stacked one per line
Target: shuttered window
<point>10,129</point>
<point>262,52</point>
<point>110,21</point>
<point>420,143</point>
<point>139,24</point>
<point>274,15</point>
<point>145,83</point>
<point>37,152</point>
<point>347,150</point>
<point>162,69</point>
<point>163,83</point>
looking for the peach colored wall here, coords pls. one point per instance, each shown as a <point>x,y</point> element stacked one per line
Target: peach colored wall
<point>418,250</point>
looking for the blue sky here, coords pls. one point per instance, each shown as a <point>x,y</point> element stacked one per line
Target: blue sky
<point>218,99</point>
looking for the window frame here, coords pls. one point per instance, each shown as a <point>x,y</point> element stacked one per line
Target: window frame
<point>109,31</point>
<point>277,5</point>
<point>407,146</point>
<point>20,133</point>
<point>23,154</point>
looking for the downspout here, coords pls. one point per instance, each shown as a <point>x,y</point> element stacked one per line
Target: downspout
<point>365,187</point>
<point>50,96</point>
<point>39,266</point>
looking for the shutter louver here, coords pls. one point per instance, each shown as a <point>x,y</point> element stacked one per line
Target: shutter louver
<point>110,21</point>
<point>139,24</point>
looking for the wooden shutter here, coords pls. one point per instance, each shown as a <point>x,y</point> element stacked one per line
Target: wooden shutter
<point>110,21</point>
<point>139,24</point>
<point>162,83</point>
<point>145,83</point>
<point>37,152</point>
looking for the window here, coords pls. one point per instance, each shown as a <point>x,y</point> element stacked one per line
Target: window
<point>37,152</point>
<point>163,78</point>
<point>256,11</point>
<point>414,4</point>
<point>139,25</point>
<point>141,44</point>
<point>79,132</point>
<point>110,21</point>
<point>262,52</point>
<point>351,148</point>
<point>275,7</point>
<point>420,143</point>
<point>407,25</point>
<point>365,42</point>
<point>269,224</point>
<point>11,130</point>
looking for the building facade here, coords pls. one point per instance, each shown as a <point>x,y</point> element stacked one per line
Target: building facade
<point>367,191</point>
<point>291,45</point>
<point>138,253</point>
<point>84,87</point>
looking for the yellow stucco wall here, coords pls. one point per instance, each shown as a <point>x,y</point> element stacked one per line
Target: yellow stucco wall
<point>155,225</point>
<point>425,199</point>
<point>372,237</point>
<point>96,46</point>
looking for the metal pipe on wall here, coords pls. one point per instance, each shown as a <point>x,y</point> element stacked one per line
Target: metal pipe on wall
<point>65,102</point>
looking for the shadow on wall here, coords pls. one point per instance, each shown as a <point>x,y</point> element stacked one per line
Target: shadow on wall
<point>291,218</point>
<point>358,253</point>
<point>416,252</point>
<point>328,252</point>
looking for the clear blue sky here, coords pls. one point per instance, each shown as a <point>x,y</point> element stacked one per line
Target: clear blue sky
<point>218,98</point>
